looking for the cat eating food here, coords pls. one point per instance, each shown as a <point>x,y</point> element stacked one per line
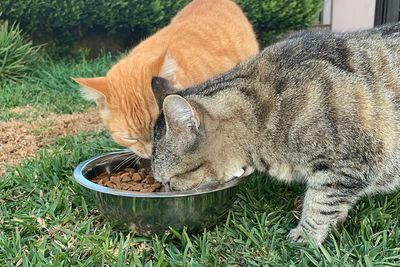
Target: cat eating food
<point>205,38</point>
<point>323,108</point>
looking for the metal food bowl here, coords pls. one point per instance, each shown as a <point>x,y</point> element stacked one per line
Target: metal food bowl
<point>154,213</point>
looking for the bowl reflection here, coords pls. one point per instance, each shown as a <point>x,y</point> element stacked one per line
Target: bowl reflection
<point>154,213</point>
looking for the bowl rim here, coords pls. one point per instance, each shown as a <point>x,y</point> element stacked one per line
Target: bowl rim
<point>85,182</point>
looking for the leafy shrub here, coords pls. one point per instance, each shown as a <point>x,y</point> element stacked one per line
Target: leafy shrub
<point>61,23</point>
<point>272,18</point>
<point>17,55</point>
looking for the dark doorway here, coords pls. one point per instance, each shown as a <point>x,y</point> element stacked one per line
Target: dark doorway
<point>387,11</point>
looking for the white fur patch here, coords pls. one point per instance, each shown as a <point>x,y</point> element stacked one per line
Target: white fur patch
<point>238,172</point>
<point>91,95</point>
<point>104,113</point>
<point>168,69</point>
<point>249,170</point>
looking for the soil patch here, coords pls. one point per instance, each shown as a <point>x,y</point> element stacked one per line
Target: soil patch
<point>21,139</point>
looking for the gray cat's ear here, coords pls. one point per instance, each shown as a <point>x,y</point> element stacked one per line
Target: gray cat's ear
<point>180,116</point>
<point>161,88</point>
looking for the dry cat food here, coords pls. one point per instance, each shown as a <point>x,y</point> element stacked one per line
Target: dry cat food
<point>141,180</point>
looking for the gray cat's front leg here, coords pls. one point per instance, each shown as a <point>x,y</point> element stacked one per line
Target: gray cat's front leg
<point>324,205</point>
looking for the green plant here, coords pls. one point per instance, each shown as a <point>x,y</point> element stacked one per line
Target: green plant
<point>17,55</point>
<point>61,24</point>
<point>50,86</point>
<point>47,219</point>
<point>64,23</point>
<point>272,18</point>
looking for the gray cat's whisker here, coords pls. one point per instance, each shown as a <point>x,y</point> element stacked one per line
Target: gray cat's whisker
<point>122,96</point>
<point>322,108</point>
<point>115,156</point>
<point>124,162</point>
<point>198,186</point>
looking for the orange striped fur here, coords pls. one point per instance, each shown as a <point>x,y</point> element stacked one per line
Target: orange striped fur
<point>205,38</point>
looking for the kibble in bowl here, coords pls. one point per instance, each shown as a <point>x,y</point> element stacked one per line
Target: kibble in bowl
<point>141,180</point>
<point>128,196</point>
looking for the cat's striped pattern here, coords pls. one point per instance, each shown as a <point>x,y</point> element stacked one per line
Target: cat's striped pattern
<point>318,107</point>
<point>205,38</point>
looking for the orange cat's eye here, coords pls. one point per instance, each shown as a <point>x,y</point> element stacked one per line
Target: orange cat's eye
<point>126,138</point>
<point>130,140</point>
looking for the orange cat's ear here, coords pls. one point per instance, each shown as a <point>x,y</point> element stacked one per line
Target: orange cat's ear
<point>93,89</point>
<point>168,68</point>
<point>161,88</point>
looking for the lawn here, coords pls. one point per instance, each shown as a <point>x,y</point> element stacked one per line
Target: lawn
<point>46,219</point>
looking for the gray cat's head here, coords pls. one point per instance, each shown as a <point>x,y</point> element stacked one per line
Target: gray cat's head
<point>191,149</point>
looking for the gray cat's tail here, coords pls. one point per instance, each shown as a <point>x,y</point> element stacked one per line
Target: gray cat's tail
<point>387,30</point>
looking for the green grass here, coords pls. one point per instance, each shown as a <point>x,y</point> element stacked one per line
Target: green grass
<point>17,54</point>
<point>49,220</point>
<point>50,87</point>
<point>46,219</point>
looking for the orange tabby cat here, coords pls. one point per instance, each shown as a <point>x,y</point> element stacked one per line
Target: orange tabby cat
<point>205,38</point>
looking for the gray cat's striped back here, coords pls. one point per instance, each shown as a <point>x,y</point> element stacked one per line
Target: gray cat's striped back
<point>322,107</point>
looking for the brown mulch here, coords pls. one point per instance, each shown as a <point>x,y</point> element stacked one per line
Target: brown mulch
<point>20,139</point>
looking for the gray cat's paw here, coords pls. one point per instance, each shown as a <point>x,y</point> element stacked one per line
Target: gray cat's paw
<point>301,235</point>
<point>297,235</point>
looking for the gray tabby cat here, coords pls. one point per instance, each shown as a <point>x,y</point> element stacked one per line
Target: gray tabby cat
<point>321,107</point>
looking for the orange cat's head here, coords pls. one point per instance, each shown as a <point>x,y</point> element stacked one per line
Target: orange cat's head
<point>125,100</point>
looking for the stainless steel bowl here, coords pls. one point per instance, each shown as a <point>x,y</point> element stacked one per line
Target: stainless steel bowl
<point>154,213</point>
